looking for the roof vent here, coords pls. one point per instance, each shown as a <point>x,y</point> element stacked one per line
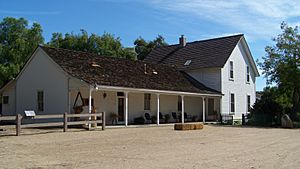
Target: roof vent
<point>188,62</point>
<point>182,41</point>
<point>154,71</point>
<point>95,64</point>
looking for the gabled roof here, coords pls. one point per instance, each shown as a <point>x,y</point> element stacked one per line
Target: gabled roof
<point>202,54</point>
<point>108,71</point>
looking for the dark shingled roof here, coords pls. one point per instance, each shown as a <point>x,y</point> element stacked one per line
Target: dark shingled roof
<point>203,54</point>
<point>120,72</point>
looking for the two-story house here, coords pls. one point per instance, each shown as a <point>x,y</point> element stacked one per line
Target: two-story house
<point>224,64</point>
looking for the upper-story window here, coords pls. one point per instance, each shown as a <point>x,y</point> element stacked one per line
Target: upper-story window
<point>231,70</point>
<point>248,74</point>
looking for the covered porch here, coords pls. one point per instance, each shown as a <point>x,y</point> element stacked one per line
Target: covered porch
<point>131,106</point>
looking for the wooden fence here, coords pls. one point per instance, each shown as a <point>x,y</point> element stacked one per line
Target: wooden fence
<point>92,119</point>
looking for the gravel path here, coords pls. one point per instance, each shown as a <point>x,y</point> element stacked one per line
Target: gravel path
<point>154,147</point>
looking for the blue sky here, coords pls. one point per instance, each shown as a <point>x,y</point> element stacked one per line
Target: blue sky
<point>129,19</point>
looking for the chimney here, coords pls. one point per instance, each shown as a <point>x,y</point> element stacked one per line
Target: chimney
<point>182,41</point>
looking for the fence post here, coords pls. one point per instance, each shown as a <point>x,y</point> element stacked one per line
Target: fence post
<point>65,122</point>
<point>103,120</point>
<point>18,124</point>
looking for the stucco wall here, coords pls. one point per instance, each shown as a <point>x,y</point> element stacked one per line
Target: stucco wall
<point>238,86</point>
<point>42,74</point>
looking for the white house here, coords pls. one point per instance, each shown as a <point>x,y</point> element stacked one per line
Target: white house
<point>171,80</point>
<point>224,64</point>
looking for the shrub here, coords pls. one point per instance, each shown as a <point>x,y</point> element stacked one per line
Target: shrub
<point>139,120</point>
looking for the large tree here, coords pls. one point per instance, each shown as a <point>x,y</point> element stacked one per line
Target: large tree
<point>17,41</point>
<point>281,64</point>
<point>143,48</point>
<point>105,44</point>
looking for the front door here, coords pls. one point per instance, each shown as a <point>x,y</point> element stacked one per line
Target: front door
<point>121,108</point>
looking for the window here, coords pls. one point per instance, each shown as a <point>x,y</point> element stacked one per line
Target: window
<point>248,74</point>
<point>179,104</point>
<point>147,99</point>
<point>248,103</point>
<point>120,93</point>
<point>231,70</point>
<point>5,99</point>
<point>211,107</point>
<point>40,100</point>
<point>232,106</point>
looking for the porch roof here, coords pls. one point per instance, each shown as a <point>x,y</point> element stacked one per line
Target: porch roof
<point>118,72</point>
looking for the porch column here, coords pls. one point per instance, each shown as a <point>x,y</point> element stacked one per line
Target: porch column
<point>90,105</point>
<point>203,109</point>
<point>126,109</point>
<point>182,109</point>
<point>157,96</point>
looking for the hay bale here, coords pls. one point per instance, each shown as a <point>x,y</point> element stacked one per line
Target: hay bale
<point>286,121</point>
<point>189,126</point>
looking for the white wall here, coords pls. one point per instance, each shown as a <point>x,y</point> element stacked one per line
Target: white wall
<point>210,77</point>
<point>42,74</point>
<point>9,109</point>
<point>238,86</point>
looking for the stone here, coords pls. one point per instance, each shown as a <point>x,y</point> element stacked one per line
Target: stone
<point>286,121</point>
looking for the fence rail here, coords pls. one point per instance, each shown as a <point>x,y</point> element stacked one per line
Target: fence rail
<point>92,119</point>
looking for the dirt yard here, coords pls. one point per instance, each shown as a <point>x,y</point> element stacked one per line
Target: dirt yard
<point>154,147</point>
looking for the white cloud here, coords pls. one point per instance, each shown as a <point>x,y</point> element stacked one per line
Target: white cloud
<point>256,18</point>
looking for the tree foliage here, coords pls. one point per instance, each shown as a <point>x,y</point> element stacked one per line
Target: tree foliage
<point>17,41</point>
<point>105,44</point>
<point>281,65</point>
<point>268,110</point>
<point>143,48</point>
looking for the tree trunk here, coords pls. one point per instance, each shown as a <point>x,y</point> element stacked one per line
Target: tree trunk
<point>296,104</point>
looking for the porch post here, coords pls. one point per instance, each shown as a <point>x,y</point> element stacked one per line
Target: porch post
<point>126,109</point>
<point>182,109</point>
<point>90,105</point>
<point>203,109</point>
<point>157,96</point>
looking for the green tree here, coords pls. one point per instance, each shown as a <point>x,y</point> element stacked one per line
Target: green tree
<point>281,64</point>
<point>105,44</point>
<point>143,48</point>
<point>17,42</point>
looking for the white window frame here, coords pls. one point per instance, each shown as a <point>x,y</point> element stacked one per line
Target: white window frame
<point>231,68</point>
<point>147,101</point>
<point>230,103</point>
<point>38,101</point>
<point>248,74</point>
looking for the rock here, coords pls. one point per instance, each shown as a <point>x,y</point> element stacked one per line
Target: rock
<point>286,121</point>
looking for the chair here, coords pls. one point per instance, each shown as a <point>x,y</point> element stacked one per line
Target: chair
<point>148,117</point>
<point>174,115</point>
<point>187,117</point>
<point>161,117</point>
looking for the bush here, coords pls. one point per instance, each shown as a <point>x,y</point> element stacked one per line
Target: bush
<point>139,120</point>
<point>265,112</point>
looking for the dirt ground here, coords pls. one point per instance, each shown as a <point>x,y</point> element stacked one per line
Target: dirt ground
<point>154,147</point>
